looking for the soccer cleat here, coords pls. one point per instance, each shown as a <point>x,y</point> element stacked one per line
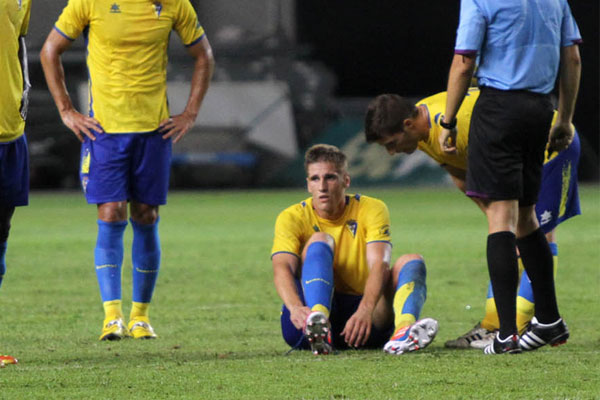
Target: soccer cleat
<point>478,338</point>
<point>413,337</point>
<point>140,328</point>
<point>510,345</point>
<point>113,329</point>
<point>5,359</point>
<point>538,336</point>
<point>317,331</point>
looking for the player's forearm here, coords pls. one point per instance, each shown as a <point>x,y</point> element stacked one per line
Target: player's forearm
<point>374,287</point>
<point>55,78</point>
<point>568,85</point>
<point>459,79</point>
<point>286,286</point>
<point>203,71</point>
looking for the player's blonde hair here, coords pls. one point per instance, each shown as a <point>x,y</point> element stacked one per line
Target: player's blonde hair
<point>326,153</point>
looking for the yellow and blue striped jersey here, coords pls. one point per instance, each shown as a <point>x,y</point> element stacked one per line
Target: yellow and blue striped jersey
<point>436,105</point>
<point>14,22</point>
<point>127,56</point>
<point>365,220</point>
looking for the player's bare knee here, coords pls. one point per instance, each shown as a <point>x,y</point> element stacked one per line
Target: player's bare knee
<point>113,211</point>
<point>322,237</point>
<point>143,213</point>
<point>405,259</point>
<point>527,221</point>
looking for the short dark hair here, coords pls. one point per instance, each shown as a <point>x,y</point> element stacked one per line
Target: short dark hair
<point>326,153</point>
<point>385,116</point>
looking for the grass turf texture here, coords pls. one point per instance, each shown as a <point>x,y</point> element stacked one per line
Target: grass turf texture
<point>217,313</point>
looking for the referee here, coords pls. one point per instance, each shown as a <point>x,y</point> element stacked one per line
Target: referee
<point>521,47</point>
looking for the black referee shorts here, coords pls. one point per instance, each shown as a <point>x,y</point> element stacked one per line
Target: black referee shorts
<point>507,137</point>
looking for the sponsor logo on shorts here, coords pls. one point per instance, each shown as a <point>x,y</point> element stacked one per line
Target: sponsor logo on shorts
<point>546,217</point>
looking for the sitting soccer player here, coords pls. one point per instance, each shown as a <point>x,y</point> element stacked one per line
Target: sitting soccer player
<point>331,264</point>
<point>402,127</point>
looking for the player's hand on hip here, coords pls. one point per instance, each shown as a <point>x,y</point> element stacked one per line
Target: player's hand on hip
<point>447,140</point>
<point>298,316</point>
<point>561,136</point>
<point>81,124</point>
<point>358,328</point>
<point>176,126</point>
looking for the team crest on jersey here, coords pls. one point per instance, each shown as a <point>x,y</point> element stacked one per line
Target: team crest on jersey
<point>157,8</point>
<point>115,8</point>
<point>316,228</point>
<point>385,230</point>
<point>352,225</point>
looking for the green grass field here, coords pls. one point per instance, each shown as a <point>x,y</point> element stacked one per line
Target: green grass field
<point>217,314</point>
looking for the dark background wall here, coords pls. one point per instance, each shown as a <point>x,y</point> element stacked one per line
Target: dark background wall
<point>406,47</point>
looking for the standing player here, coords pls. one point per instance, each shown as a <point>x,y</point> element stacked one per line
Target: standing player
<point>522,46</point>
<point>126,138</point>
<point>14,87</point>
<point>401,127</point>
<point>331,264</point>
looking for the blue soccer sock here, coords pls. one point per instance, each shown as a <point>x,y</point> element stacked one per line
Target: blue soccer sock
<point>108,257</point>
<point>145,255</point>
<point>3,246</point>
<point>411,292</point>
<point>317,277</point>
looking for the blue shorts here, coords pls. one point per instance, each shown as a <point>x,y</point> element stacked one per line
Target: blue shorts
<point>129,166</point>
<point>559,198</point>
<point>343,306</point>
<point>14,173</point>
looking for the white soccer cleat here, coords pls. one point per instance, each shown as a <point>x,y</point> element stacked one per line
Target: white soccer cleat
<point>412,338</point>
<point>317,331</point>
<point>477,338</point>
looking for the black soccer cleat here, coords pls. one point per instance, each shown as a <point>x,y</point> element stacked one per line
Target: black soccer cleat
<point>538,336</point>
<point>510,345</point>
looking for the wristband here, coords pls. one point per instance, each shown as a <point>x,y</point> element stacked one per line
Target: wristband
<point>448,125</point>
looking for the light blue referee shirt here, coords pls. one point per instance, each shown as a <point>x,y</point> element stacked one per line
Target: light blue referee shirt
<point>518,41</point>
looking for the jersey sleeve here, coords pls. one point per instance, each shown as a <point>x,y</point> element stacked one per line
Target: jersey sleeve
<point>288,233</point>
<point>25,26</point>
<point>186,24</point>
<point>74,19</point>
<point>471,28</point>
<point>569,31</point>
<point>377,222</point>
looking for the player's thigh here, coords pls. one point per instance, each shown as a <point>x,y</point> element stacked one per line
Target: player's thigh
<point>151,165</point>
<point>14,173</point>
<point>494,160</point>
<point>104,169</point>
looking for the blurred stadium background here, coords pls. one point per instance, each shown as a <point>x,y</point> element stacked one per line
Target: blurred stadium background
<point>290,73</point>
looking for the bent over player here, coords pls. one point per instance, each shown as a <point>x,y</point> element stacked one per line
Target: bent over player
<point>14,85</point>
<point>126,137</point>
<point>331,264</point>
<point>403,127</point>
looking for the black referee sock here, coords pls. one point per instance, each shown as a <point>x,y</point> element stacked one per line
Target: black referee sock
<point>537,259</point>
<point>504,274</point>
